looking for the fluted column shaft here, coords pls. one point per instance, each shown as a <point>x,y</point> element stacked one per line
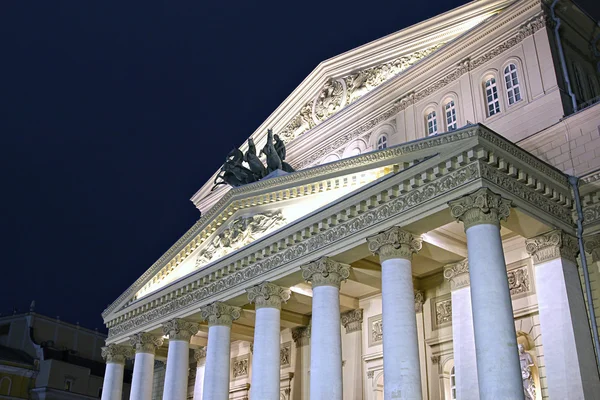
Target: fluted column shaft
<point>200,357</point>
<point>145,345</point>
<point>115,356</point>
<point>179,332</point>
<point>216,375</point>
<point>326,342</point>
<point>498,367</point>
<point>463,335</point>
<point>568,350</point>
<point>401,366</point>
<point>265,361</point>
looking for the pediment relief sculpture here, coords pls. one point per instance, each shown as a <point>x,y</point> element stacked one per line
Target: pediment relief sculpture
<point>338,93</point>
<point>239,233</point>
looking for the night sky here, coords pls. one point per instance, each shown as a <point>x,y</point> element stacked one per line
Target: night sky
<point>113,114</point>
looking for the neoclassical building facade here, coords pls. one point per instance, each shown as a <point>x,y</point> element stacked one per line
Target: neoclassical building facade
<point>438,239</point>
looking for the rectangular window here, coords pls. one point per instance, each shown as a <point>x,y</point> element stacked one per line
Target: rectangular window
<point>68,384</point>
<point>451,116</point>
<point>491,93</point>
<point>431,124</point>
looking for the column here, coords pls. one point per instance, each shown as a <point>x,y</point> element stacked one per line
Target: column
<point>301,382</point>
<point>463,336</point>
<point>401,367</point>
<point>145,345</point>
<point>352,353</point>
<point>498,367</point>
<point>216,374</point>
<point>326,276</point>
<point>265,361</point>
<point>179,332</point>
<point>571,370</point>
<point>115,356</point>
<point>200,357</point>
<point>592,247</point>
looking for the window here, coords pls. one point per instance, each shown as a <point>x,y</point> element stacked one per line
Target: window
<point>491,94</point>
<point>382,142</point>
<point>511,79</point>
<point>355,152</point>
<point>431,123</point>
<point>578,82</point>
<point>450,115</point>
<point>68,384</point>
<point>452,384</point>
<point>5,386</point>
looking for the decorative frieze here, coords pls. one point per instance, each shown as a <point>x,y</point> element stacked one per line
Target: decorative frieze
<point>352,320</point>
<point>419,300</point>
<point>301,335</point>
<point>240,366</point>
<point>552,245</point>
<point>219,313</point>
<point>117,353</point>
<point>394,243</point>
<point>518,280</point>
<point>144,342</point>
<point>375,325</point>
<point>180,329</point>
<point>592,246</point>
<point>480,207</point>
<point>285,355</point>
<point>458,274</point>
<point>325,272</point>
<point>268,295</point>
<point>441,311</point>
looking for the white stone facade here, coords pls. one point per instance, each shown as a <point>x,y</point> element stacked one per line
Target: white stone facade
<point>425,248</point>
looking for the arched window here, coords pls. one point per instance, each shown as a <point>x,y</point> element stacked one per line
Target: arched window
<point>5,386</point>
<point>382,142</point>
<point>511,79</point>
<point>355,152</point>
<point>453,384</point>
<point>491,95</point>
<point>450,110</point>
<point>431,120</point>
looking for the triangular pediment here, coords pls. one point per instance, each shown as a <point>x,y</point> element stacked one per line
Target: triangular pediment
<point>252,212</point>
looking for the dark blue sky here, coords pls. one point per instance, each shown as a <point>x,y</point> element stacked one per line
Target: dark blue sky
<point>113,113</point>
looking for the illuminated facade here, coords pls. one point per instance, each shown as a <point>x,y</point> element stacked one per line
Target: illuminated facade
<point>427,239</point>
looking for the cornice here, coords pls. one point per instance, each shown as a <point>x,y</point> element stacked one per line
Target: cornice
<point>401,193</point>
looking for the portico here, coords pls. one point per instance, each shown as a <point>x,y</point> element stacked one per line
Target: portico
<point>269,315</point>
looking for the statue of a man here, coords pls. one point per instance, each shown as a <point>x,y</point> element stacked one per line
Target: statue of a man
<point>526,364</point>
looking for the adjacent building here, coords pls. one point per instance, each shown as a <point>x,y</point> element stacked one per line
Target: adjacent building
<point>427,244</point>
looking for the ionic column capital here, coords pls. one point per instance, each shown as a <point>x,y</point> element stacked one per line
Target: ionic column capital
<point>199,354</point>
<point>180,329</point>
<point>325,272</point>
<point>268,295</point>
<point>352,320</point>
<point>551,245</point>
<point>394,243</point>
<point>592,246</point>
<point>219,313</point>
<point>480,207</point>
<point>301,335</point>
<point>144,342</point>
<point>117,353</point>
<point>458,274</point>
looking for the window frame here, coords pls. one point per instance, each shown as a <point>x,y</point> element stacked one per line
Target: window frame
<point>448,100</point>
<point>382,139</point>
<point>428,111</point>
<point>515,89</point>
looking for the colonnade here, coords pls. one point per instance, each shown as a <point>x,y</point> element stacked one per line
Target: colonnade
<point>486,357</point>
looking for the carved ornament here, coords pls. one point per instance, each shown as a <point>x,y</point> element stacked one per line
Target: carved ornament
<point>268,295</point>
<point>301,335</point>
<point>180,329</point>
<point>239,233</point>
<point>352,320</point>
<point>325,272</point>
<point>240,367</point>
<point>117,353</point>
<point>592,246</point>
<point>419,300</point>
<point>285,355</point>
<point>199,354</point>
<point>144,342</point>
<point>552,245</point>
<point>518,281</point>
<point>458,274</point>
<point>219,313</point>
<point>395,243</point>
<point>480,207</point>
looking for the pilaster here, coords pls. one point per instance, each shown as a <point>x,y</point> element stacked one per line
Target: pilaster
<point>394,243</point>
<point>552,245</point>
<point>352,320</point>
<point>458,274</point>
<point>480,207</point>
<point>301,335</point>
